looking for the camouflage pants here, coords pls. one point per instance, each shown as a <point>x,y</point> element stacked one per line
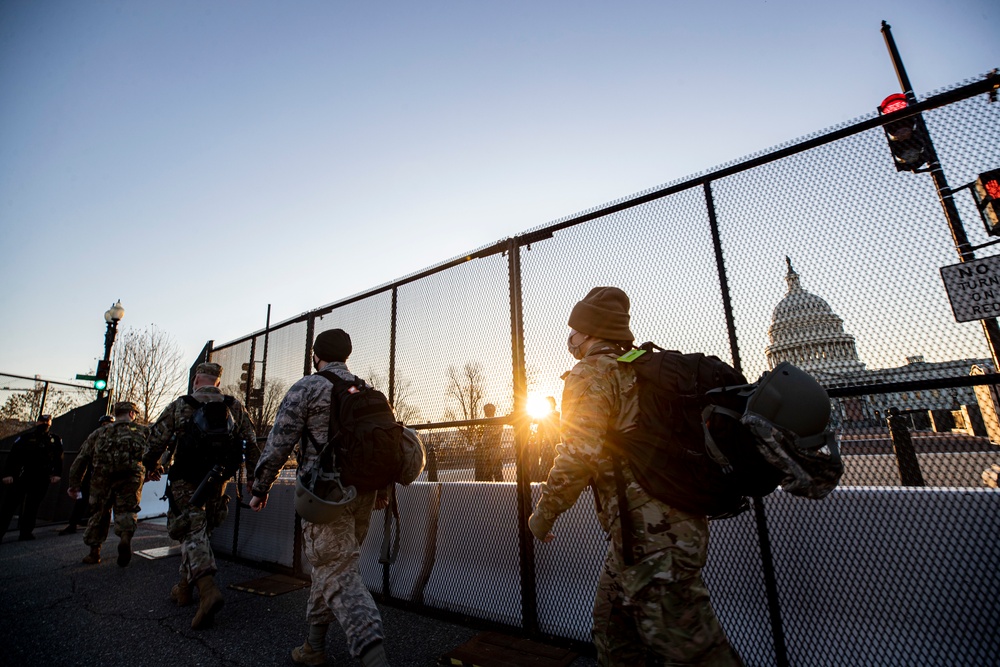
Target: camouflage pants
<point>658,611</point>
<point>121,493</point>
<point>337,592</point>
<point>192,527</point>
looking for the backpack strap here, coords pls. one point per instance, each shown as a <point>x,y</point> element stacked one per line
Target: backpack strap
<point>624,516</point>
<point>330,450</point>
<point>191,401</point>
<point>710,446</point>
<point>389,552</point>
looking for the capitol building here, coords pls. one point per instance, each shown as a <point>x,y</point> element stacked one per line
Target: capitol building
<point>807,332</point>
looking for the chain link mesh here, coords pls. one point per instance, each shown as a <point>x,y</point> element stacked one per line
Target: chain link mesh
<point>829,258</point>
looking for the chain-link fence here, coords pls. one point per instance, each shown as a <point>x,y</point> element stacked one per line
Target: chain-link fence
<point>818,252</point>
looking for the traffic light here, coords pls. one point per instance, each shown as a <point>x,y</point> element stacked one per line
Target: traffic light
<point>101,376</point>
<point>986,190</point>
<point>907,140</point>
<point>245,378</point>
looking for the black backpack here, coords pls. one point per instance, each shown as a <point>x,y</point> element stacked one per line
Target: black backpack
<point>209,438</point>
<point>369,447</point>
<point>695,449</point>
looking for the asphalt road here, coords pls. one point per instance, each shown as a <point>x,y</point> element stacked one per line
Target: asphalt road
<point>58,611</point>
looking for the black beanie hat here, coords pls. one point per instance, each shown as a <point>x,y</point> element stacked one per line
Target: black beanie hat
<point>603,313</point>
<point>333,345</point>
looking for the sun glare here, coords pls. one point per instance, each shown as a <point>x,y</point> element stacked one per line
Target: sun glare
<point>538,406</point>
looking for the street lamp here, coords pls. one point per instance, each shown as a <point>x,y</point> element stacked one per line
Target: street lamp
<point>112,316</point>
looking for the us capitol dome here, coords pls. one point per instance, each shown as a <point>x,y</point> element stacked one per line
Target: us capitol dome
<point>806,332</point>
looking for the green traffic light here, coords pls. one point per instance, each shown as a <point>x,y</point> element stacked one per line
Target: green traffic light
<point>100,385</point>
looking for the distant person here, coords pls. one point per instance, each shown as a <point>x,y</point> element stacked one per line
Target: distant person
<point>34,463</point>
<point>332,538</point>
<point>113,456</point>
<point>489,452</point>
<point>81,508</point>
<point>206,435</point>
<point>651,605</point>
<point>548,437</point>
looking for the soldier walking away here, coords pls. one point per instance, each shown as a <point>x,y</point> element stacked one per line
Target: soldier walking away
<point>81,508</point>
<point>656,609</point>
<point>113,457</point>
<point>35,461</point>
<point>334,524</point>
<point>207,435</point>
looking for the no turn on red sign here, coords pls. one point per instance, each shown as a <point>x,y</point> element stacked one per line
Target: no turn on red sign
<point>973,288</point>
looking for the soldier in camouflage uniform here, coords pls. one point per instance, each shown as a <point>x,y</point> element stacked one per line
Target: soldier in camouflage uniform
<point>114,456</point>
<point>658,608</point>
<point>193,526</point>
<point>333,549</point>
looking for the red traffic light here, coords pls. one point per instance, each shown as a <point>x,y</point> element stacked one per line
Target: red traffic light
<point>992,188</point>
<point>893,103</point>
<point>986,191</point>
<point>908,142</point>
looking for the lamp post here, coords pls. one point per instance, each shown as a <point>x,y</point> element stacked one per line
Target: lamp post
<point>112,316</point>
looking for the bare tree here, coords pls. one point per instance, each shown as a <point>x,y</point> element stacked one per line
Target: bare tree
<point>262,417</point>
<point>405,411</point>
<point>19,412</point>
<point>467,389</point>
<point>147,368</point>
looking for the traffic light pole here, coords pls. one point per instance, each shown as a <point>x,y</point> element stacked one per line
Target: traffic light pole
<point>945,194</point>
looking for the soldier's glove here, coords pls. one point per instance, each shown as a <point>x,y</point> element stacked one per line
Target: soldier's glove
<point>540,528</point>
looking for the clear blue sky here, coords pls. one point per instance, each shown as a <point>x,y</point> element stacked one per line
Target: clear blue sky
<point>199,160</point>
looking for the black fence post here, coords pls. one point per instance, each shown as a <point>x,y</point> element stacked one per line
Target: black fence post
<point>307,362</point>
<point>764,538</point>
<point>41,404</point>
<point>306,370</point>
<point>529,603</point>
<point>386,585</point>
<point>902,446</point>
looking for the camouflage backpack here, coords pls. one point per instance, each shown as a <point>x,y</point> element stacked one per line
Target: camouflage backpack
<point>120,448</point>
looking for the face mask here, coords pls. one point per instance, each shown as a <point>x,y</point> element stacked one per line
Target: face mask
<point>575,349</point>
<point>42,428</point>
<point>316,361</point>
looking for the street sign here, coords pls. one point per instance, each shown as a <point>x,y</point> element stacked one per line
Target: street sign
<point>973,288</point>
<point>85,377</point>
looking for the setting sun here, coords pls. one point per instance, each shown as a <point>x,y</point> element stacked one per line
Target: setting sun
<point>538,406</point>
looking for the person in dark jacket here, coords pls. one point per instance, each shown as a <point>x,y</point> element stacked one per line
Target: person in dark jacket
<point>35,461</point>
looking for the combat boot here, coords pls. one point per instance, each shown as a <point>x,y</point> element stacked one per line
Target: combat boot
<point>94,557</point>
<point>374,656</point>
<point>307,655</point>
<point>181,593</point>
<point>209,603</point>
<point>125,549</point>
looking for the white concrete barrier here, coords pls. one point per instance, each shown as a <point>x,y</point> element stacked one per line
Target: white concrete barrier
<point>418,518</point>
<point>476,563</point>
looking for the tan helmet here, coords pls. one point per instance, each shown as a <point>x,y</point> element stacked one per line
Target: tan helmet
<point>319,495</point>
<point>792,399</point>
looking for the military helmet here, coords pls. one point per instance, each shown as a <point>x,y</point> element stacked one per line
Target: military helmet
<point>318,506</point>
<point>792,399</point>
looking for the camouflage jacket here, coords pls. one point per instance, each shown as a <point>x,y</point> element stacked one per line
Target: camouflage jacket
<point>599,395</point>
<point>115,448</point>
<point>173,423</point>
<point>304,411</point>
